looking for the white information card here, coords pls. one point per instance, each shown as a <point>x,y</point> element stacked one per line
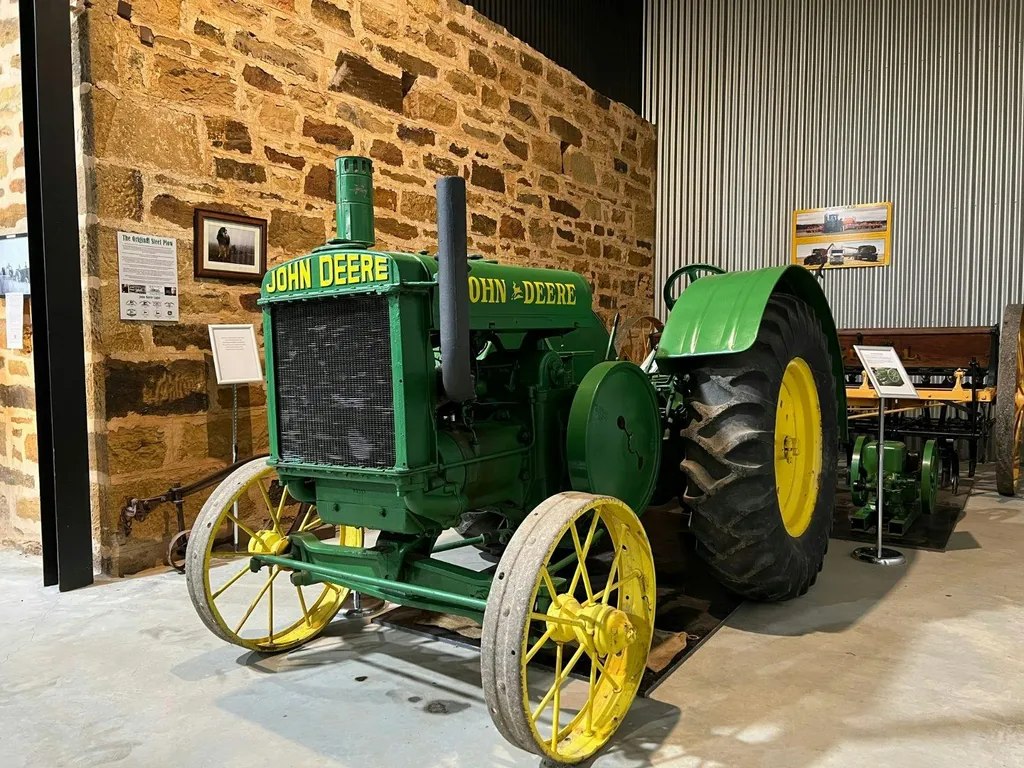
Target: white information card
<point>236,356</point>
<point>15,320</point>
<point>886,372</point>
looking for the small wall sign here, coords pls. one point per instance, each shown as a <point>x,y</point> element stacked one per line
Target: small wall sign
<point>886,372</point>
<point>147,268</point>
<point>236,356</point>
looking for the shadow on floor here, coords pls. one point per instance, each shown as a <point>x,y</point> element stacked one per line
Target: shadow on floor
<point>424,691</point>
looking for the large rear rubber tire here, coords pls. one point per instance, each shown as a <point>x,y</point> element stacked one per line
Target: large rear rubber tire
<point>739,460</point>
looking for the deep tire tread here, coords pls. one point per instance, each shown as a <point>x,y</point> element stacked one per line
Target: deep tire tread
<point>729,463</point>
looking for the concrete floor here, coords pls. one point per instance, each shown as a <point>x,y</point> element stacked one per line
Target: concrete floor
<point>915,666</point>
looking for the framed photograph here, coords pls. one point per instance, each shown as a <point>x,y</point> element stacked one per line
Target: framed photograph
<point>230,247</point>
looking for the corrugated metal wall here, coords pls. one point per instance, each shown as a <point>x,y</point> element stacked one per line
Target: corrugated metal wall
<point>764,107</point>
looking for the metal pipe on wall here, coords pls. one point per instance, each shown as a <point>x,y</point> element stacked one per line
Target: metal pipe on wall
<point>764,108</point>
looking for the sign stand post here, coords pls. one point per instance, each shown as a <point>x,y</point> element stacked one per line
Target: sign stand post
<point>880,555</point>
<point>236,360</point>
<point>234,456</point>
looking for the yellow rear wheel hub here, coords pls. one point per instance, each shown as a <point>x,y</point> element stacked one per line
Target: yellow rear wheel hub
<point>798,447</point>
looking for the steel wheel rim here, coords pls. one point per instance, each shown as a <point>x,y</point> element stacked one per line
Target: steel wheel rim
<point>615,678</point>
<point>300,613</point>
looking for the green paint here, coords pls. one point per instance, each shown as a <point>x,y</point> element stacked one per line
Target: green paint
<point>544,396</point>
<point>354,196</point>
<point>721,314</point>
<point>909,484</point>
<point>615,434</point>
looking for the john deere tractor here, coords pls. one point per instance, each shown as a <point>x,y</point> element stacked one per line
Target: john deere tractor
<point>409,394</point>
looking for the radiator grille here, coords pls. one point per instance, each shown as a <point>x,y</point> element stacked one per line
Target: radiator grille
<point>332,372</point>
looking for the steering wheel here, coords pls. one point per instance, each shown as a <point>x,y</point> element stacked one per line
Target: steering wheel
<point>692,272</point>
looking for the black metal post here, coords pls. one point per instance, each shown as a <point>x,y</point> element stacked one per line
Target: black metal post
<point>56,280</point>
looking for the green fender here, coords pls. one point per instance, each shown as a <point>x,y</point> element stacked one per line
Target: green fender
<point>721,314</point>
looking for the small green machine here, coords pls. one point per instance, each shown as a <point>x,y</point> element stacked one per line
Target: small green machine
<point>421,405</point>
<point>910,484</point>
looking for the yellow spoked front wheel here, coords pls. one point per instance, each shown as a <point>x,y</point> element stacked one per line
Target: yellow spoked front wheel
<point>260,610</point>
<point>568,626</point>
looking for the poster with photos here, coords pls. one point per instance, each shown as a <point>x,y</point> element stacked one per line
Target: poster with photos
<point>843,236</point>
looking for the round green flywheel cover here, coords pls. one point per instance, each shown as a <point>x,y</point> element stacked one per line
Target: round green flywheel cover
<point>613,440</point>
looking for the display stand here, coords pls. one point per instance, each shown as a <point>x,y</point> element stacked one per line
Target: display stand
<point>880,555</point>
<point>234,458</point>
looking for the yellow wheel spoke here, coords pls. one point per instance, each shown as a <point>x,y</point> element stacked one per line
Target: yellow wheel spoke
<point>604,673</point>
<point>591,694</point>
<point>557,619</point>
<point>248,531</point>
<point>581,553</point>
<point>604,593</point>
<point>581,564</point>
<point>558,695</point>
<point>537,646</point>
<point>268,502</point>
<point>305,517</point>
<point>559,679</point>
<point>231,581</point>
<point>548,582</point>
<point>313,524</point>
<point>280,511</point>
<point>302,603</point>
<point>270,610</point>
<point>255,602</point>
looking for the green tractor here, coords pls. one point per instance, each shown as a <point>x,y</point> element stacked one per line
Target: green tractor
<point>409,394</point>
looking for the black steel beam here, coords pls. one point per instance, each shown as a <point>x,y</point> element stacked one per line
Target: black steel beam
<point>54,264</point>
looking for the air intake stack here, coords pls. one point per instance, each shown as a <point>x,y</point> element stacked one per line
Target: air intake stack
<point>354,201</point>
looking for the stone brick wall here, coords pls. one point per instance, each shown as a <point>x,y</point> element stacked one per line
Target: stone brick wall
<point>19,470</point>
<point>242,106</point>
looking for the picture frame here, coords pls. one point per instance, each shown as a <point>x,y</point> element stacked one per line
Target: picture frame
<point>228,246</point>
<point>843,236</point>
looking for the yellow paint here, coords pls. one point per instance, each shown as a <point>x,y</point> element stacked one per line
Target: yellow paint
<point>293,276</point>
<point>798,447</point>
<point>352,269</point>
<point>315,614</point>
<point>613,627</point>
<point>492,290</point>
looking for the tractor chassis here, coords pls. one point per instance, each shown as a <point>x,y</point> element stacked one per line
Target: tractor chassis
<point>399,570</point>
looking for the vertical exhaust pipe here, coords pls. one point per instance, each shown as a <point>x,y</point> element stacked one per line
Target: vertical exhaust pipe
<point>453,289</point>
